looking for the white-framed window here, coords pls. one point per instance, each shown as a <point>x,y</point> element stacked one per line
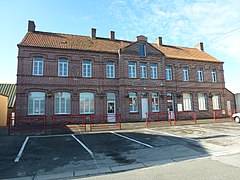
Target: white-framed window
<point>143,70</point>
<point>132,72</point>
<point>62,103</point>
<point>142,50</point>
<point>185,74</point>
<point>36,103</point>
<point>214,75</point>
<point>202,102</point>
<point>110,70</point>
<point>153,71</point>
<point>200,75</point>
<point>63,67</point>
<point>216,102</point>
<point>168,71</point>
<point>133,102</point>
<point>87,69</point>
<point>155,102</point>
<point>187,102</point>
<point>86,103</point>
<point>38,66</point>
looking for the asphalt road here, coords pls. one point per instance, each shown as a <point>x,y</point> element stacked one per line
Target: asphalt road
<point>89,154</point>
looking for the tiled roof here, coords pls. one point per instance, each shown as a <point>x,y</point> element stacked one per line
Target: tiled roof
<point>76,42</point>
<point>10,91</point>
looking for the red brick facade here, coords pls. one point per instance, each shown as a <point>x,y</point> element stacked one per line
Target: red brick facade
<point>121,85</point>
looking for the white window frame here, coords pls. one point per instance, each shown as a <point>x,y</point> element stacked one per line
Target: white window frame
<point>133,102</point>
<point>36,103</point>
<point>153,71</point>
<point>110,70</point>
<point>132,70</point>
<point>143,70</point>
<point>187,102</point>
<point>200,75</point>
<point>142,50</point>
<point>214,75</point>
<point>63,67</point>
<point>62,103</point>
<point>168,71</point>
<point>202,102</point>
<point>86,103</point>
<point>87,68</point>
<point>155,102</point>
<point>216,102</point>
<point>38,65</point>
<point>185,73</point>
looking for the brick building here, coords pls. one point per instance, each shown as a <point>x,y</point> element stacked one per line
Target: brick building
<point>72,74</point>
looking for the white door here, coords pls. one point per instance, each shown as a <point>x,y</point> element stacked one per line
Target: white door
<point>111,111</point>
<point>170,106</point>
<point>144,107</point>
<point>229,107</point>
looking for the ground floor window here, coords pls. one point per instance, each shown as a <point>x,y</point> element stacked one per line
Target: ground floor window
<point>155,102</point>
<point>62,103</point>
<point>187,102</point>
<point>133,103</point>
<point>216,102</point>
<point>86,103</point>
<point>36,103</point>
<point>202,101</point>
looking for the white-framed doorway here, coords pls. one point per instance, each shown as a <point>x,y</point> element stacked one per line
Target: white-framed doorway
<point>144,103</point>
<point>170,105</point>
<point>111,107</point>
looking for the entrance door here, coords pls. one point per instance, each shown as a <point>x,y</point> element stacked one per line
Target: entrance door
<point>111,111</point>
<point>170,105</point>
<point>144,102</point>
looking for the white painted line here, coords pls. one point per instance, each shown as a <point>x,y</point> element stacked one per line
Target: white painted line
<point>83,145</point>
<point>21,150</point>
<point>55,135</point>
<point>139,142</point>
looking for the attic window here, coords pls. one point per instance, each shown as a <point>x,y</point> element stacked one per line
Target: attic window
<point>142,50</point>
<point>63,42</point>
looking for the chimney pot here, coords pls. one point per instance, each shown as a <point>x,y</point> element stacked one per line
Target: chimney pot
<point>31,26</point>
<point>112,35</point>
<point>199,46</point>
<point>93,33</point>
<point>159,41</point>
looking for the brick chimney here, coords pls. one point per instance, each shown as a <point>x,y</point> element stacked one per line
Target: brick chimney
<point>159,41</point>
<point>93,33</point>
<point>142,38</point>
<point>31,26</point>
<point>112,35</point>
<point>199,46</point>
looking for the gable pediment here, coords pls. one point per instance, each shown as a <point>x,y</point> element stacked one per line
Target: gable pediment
<point>134,49</point>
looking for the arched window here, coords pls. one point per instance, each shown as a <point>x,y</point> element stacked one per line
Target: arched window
<point>62,104</point>
<point>86,103</point>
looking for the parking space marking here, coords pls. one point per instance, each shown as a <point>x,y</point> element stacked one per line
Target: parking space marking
<point>52,135</point>
<point>83,145</point>
<point>136,141</point>
<point>21,150</point>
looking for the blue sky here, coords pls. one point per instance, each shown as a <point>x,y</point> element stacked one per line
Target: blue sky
<point>216,23</point>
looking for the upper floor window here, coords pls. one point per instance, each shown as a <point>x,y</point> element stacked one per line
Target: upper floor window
<point>110,70</point>
<point>62,103</point>
<point>153,71</point>
<point>86,103</point>
<point>36,103</point>
<point>200,75</point>
<point>133,102</point>
<point>62,67</point>
<point>37,66</point>
<point>87,69</point>
<point>168,71</point>
<point>132,73</point>
<point>142,50</point>
<point>185,74</point>
<point>143,70</point>
<point>187,102</point>
<point>214,75</point>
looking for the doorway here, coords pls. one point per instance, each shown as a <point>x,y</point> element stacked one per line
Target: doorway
<point>111,107</point>
<point>144,102</point>
<point>170,106</point>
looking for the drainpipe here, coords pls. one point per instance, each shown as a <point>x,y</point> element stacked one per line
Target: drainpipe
<point>119,72</point>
